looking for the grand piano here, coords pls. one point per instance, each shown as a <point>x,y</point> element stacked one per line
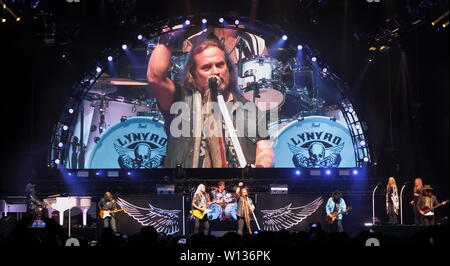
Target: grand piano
<point>13,204</point>
<point>62,204</point>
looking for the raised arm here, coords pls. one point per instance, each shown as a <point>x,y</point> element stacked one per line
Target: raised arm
<point>158,76</point>
<point>264,154</point>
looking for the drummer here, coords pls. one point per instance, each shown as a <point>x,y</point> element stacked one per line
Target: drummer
<point>238,43</point>
<point>221,197</point>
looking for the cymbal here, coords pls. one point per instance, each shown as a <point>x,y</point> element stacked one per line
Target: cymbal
<point>102,89</point>
<point>120,82</point>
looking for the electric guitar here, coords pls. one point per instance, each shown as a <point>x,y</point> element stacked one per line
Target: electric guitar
<point>332,217</point>
<point>200,214</point>
<point>107,213</point>
<point>427,211</point>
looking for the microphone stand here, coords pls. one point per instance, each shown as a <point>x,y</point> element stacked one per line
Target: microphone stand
<point>401,203</point>
<point>373,204</point>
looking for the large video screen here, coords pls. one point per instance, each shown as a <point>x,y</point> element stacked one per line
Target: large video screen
<point>211,97</point>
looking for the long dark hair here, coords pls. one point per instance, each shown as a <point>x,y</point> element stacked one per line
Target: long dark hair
<point>189,69</point>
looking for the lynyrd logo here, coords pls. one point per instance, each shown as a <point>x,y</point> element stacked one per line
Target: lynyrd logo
<point>316,150</point>
<point>140,150</point>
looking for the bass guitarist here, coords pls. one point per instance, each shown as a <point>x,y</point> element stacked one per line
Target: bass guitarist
<point>336,204</point>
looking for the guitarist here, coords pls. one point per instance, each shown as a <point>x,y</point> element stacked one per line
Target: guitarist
<point>336,204</point>
<point>201,201</point>
<point>427,200</point>
<point>108,203</point>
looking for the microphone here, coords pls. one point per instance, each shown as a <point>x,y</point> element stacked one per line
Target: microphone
<point>213,84</point>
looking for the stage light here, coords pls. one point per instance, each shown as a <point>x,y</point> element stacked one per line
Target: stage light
<point>97,173</point>
<point>362,143</point>
<point>128,173</point>
<point>139,37</point>
<point>366,159</point>
<point>328,172</point>
<point>445,25</point>
<point>324,70</point>
<point>357,126</point>
<point>221,20</point>
<point>350,110</point>
<point>299,47</point>
<point>187,22</point>
<point>65,127</point>
<point>368,224</point>
<point>98,69</point>
<point>236,22</point>
<point>314,59</point>
<point>297,172</point>
<point>3,20</point>
<point>110,58</point>
<point>204,21</point>
<point>57,161</point>
<point>355,172</point>
<point>70,111</point>
<point>60,144</point>
<point>18,19</point>
<point>284,37</point>
<point>124,46</point>
<point>70,174</point>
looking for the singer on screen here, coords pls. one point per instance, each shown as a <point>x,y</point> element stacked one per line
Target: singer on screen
<point>198,136</point>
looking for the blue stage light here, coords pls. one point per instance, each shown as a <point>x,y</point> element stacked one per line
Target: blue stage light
<point>204,21</point>
<point>221,20</point>
<point>139,37</point>
<point>236,22</point>
<point>187,22</point>
<point>97,173</point>
<point>366,159</point>
<point>355,172</point>
<point>65,127</point>
<point>314,59</point>
<point>57,161</point>
<point>328,172</point>
<point>110,58</point>
<point>297,172</point>
<point>124,46</point>
<point>299,47</point>
<point>60,144</point>
<point>362,143</point>
<point>70,111</point>
<point>324,70</point>
<point>128,173</point>
<point>98,69</point>
<point>284,37</point>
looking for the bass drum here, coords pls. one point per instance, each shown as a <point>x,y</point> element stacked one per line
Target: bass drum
<point>312,142</point>
<point>231,211</point>
<point>133,143</point>
<point>216,212</point>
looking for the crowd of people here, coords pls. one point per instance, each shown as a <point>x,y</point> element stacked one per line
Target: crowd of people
<point>55,235</point>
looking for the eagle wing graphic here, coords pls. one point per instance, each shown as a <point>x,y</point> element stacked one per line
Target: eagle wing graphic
<point>299,154</point>
<point>286,217</point>
<point>124,153</point>
<point>333,152</point>
<point>164,221</point>
<point>159,154</point>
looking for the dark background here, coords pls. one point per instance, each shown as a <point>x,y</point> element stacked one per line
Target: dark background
<point>402,95</point>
